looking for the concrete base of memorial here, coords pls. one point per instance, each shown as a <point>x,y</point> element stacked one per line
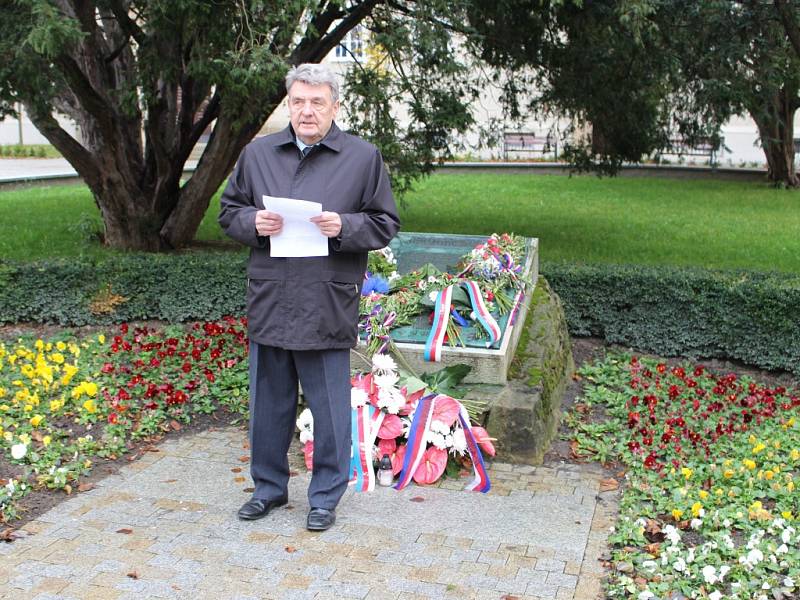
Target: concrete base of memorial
<point>525,412</point>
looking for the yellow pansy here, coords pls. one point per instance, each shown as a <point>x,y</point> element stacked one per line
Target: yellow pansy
<point>728,473</point>
<point>39,345</point>
<point>90,406</point>
<point>787,514</point>
<point>57,358</point>
<point>28,408</point>
<point>25,439</point>
<point>790,486</point>
<point>752,439</point>
<point>768,474</point>
<point>686,472</point>
<point>2,392</point>
<point>36,420</point>
<point>795,454</point>
<point>69,373</point>
<point>750,464</point>
<point>703,494</point>
<point>696,508</point>
<point>5,407</point>
<point>758,448</point>
<point>56,404</point>
<point>46,440</point>
<point>8,436</point>
<point>101,338</point>
<point>677,513</point>
<point>61,346</point>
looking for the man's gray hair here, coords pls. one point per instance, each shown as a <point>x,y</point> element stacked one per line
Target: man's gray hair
<point>313,74</point>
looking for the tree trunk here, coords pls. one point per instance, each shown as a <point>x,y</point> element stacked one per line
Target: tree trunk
<point>775,121</point>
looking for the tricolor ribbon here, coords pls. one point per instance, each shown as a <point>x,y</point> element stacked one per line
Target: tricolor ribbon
<point>480,482</point>
<point>481,312</point>
<point>441,316</point>
<point>417,440</point>
<point>366,421</point>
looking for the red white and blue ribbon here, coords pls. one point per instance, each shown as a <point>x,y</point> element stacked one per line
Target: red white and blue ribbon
<point>417,440</point>
<point>480,482</point>
<point>366,421</point>
<point>441,317</point>
<point>481,312</point>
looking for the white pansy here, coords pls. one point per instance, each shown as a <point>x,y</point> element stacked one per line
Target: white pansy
<point>646,595</point>
<point>358,397</point>
<point>786,535</point>
<point>306,420</point>
<point>782,549</point>
<point>690,555</point>
<point>696,523</point>
<point>723,570</point>
<point>650,565</point>
<point>710,574</point>
<point>715,595</point>
<point>766,586</point>
<point>788,582</point>
<point>306,436</point>
<point>18,451</point>
<point>680,565</point>
<point>672,534</point>
<point>383,363</point>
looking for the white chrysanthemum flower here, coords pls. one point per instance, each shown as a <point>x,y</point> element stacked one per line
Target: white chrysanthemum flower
<point>437,439</point>
<point>306,436</point>
<point>386,381</point>
<point>459,441</point>
<point>306,420</point>
<point>391,400</point>
<point>18,451</point>
<point>439,427</point>
<point>358,397</point>
<point>383,363</point>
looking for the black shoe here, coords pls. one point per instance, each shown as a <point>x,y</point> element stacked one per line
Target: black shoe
<point>320,519</point>
<point>256,508</point>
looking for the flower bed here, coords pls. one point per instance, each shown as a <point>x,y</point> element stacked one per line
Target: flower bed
<point>709,507</point>
<point>63,404</point>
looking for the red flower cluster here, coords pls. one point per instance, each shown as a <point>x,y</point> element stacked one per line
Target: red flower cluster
<point>698,410</point>
<point>146,371</point>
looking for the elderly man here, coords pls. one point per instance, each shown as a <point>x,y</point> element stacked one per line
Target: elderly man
<point>303,312</point>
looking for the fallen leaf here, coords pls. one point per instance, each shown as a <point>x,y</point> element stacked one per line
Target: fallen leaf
<point>236,469</point>
<point>8,535</point>
<point>244,459</point>
<point>654,549</point>
<point>652,526</point>
<point>573,446</point>
<point>290,549</point>
<point>68,489</point>
<point>509,597</point>
<point>152,449</point>
<point>133,575</point>
<point>238,479</point>
<point>125,530</point>
<point>175,425</point>
<point>85,487</point>
<point>640,581</point>
<point>37,435</point>
<point>249,490</point>
<point>246,445</point>
<point>169,481</point>
<point>606,485</point>
<point>582,408</point>
<point>417,499</point>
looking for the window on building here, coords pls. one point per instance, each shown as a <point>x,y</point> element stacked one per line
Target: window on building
<point>352,45</point>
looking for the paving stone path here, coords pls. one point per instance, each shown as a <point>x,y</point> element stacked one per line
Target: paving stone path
<point>165,527</point>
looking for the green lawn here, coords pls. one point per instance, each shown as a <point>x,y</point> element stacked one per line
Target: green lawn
<point>716,224</point>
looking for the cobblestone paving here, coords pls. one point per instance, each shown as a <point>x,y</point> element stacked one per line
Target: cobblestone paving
<point>165,527</point>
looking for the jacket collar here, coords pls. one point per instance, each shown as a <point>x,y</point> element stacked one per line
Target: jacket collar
<point>332,140</point>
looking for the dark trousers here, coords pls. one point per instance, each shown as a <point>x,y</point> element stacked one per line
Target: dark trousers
<point>325,377</point>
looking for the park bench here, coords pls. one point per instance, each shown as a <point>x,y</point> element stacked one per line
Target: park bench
<point>525,141</point>
<point>680,147</point>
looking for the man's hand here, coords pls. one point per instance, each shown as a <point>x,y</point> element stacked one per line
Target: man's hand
<point>329,223</point>
<point>268,223</point>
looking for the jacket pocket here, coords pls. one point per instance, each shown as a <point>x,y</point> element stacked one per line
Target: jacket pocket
<point>339,316</point>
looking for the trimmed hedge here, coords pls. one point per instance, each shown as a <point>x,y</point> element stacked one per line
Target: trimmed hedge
<point>752,317</point>
<point>748,316</point>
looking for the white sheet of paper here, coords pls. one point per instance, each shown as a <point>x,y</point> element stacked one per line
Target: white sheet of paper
<point>299,237</point>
